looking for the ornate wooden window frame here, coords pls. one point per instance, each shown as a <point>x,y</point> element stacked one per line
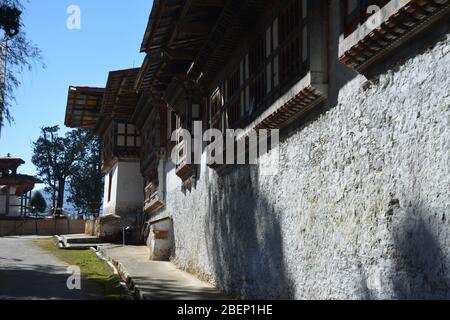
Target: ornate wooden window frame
<point>291,41</point>
<point>289,51</point>
<point>396,22</point>
<point>112,151</point>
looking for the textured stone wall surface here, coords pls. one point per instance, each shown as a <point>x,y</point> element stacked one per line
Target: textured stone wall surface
<point>360,207</point>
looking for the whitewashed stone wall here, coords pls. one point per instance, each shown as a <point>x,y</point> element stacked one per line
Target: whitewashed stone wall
<point>126,189</point>
<point>14,203</point>
<point>360,208</point>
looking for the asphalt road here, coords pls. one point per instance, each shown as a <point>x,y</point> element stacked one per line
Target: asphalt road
<point>27,272</point>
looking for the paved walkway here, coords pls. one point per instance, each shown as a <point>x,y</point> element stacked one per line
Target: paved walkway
<point>27,272</point>
<point>154,280</point>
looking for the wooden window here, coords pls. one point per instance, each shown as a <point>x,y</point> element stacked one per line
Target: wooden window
<point>216,102</point>
<point>243,96</point>
<point>269,73</point>
<point>108,144</point>
<point>275,60</point>
<point>234,83</point>
<point>196,114</point>
<point>148,132</point>
<point>127,136</point>
<point>173,120</point>
<point>234,98</point>
<point>151,185</point>
<point>257,56</point>
<point>292,36</point>
<point>171,128</point>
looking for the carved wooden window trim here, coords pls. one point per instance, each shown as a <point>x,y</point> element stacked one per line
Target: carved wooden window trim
<point>273,63</point>
<point>366,41</point>
<point>127,136</point>
<point>108,144</point>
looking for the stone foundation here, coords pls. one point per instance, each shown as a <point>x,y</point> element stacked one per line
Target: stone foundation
<point>160,240</point>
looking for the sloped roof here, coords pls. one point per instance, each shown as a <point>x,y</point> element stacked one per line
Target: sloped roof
<point>83,107</point>
<point>120,97</point>
<point>10,163</point>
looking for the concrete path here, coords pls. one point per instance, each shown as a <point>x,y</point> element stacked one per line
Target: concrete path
<point>154,280</point>
<point>27,272</point>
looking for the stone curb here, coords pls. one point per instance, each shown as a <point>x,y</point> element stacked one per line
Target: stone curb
<point>134,289</point>
<point>118,269</point>
<point>137,291</point>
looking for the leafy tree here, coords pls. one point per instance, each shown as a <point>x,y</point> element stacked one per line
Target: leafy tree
<point>86,183</point>
<point>16,54</point>
<point>55,158</point>
<point>74,160</point>
<point>38,202</point>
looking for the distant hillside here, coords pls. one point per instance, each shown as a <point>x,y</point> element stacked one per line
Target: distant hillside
<point>68,207</point>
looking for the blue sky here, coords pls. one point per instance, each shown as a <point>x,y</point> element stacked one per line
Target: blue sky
<point>109,39</point>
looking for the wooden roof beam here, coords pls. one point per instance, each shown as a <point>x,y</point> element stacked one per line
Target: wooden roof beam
<point>192,28</point>
<point>183,14</point>
<point>209,3</point>
<point>185,55</point>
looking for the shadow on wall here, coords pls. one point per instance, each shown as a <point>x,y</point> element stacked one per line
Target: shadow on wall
<point>243,236</point>
<point>364,292</point>
<point>243,232</point>
<point>420,260</point>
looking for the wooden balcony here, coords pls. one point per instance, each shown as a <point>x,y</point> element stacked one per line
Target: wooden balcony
<point>219,166</point>
<point>110,157</point>
<point>397,22</point>
<point>300,99</point>
<point>153,198</point>
<point>185,169</point>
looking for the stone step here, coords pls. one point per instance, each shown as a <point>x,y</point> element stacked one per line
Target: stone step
<point>80,246</point>
<point>78,242</point>
<point>80,239</point>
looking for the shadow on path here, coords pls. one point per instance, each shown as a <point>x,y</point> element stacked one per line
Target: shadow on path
<point>38,283</point>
